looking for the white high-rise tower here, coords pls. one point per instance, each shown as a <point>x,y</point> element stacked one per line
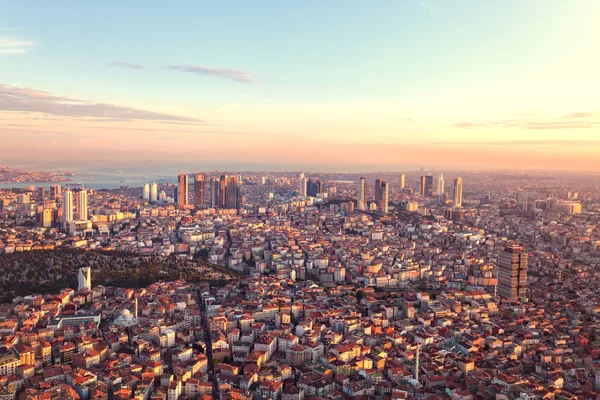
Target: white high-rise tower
<point>401,181</point>
<point>303,183</point>
<point>67,207</point>
<point>154,192</point>
<point>361,201</point>
<point>440,188</point>
<point>146,193</point>
<point>458,189</point>
<point>82,205</point>
<point>84,278</point>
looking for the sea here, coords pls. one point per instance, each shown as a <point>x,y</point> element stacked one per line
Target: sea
<point>109,175</point>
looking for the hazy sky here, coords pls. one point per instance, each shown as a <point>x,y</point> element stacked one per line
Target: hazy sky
<point>439,83</point>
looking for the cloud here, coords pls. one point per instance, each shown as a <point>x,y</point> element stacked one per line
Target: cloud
<point>543,142</point>
<point>231,74</point>
<point>571,121</point>
<point>124,64</point>
<point>36,101</point>
<point>579,115</point>
<point>10,45</point>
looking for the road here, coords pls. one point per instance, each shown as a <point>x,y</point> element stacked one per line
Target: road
<point>208,340</point>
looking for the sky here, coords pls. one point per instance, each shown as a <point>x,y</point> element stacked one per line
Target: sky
<point>372,84</point>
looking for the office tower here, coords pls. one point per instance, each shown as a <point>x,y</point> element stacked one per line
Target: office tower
<point>303,182</point>
<point>361,201</point>
<point>154,192</point>
<point>182,190</point>
<point>232,193</point>
<point>199,190</point>
<point>84,278</point>
<point>40,193</point>
<point>47,217</point>
<point>440,188</point>
<point>214,192</point>
<point>313,188</point>
<point>82,204</point>
<point>67,207</point>
<point>381,195</point>
<point>512,272</point>
<point>401,181</point>
<point>429,185</point>
<point>422,186</point>
<point>146,192</point>
<point>55,192</point>
<point>458,189</point>
<point>263,180</point>
<point>162,197</point>
<point>222,191</point>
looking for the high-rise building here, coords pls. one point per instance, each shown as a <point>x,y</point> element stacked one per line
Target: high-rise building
<point>40,193</point>
<point>55,191</point>
<point>401,181</point>
<point>46,217</point>
<point>67,207</point>
<point>381,196</point>
<point>440,188</point>
<point>199,190</point>
<point>215,192</point>
<point>162,197</point>
<point>146,192</point>
<point>313,188</point>
<point>458,192</point>
<point>154,192</point>
<point>361,201</point>
<point>426,185</point>
<point>182,190</point>
<point>82,204</point>
<point>512,272</point>
<point>303,183</point>
<point>84,278</point>
<point>232,193</point>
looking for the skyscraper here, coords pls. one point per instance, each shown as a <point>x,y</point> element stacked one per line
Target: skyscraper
<point>154,192</point>
<point>458,189</point>
<point>146,192</point>
<point>40,193</point>
<point>82,204</point>
<point>426,185</point>
<point>440,188</point>
<point>214,192</point>
<point>182,190</point>
<point>67,207</point>
<point>313,188</point>
<point>381,196</point>
<point>361,201</point>
<point>232,193</point>
<point>55,192</point>
<point>199,190</point>
<point>512,272</point>
<point>401,181</point>
<point>84,278</point>
<point>303,182</point>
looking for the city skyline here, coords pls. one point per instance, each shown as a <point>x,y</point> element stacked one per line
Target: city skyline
<point>442,83</point>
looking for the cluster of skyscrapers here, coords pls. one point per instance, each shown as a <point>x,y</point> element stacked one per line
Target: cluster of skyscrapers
<point>74,205</point>
<point>426,188</point>
<point>382,194</point>
<point>224,191</point>
<point>151,192</point>
<point>309,187</point>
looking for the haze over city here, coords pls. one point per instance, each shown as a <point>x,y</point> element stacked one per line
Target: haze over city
<point>308,200</point>
<point>386,84</point>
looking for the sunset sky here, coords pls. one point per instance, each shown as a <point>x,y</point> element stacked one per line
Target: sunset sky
<point>439,83</point>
